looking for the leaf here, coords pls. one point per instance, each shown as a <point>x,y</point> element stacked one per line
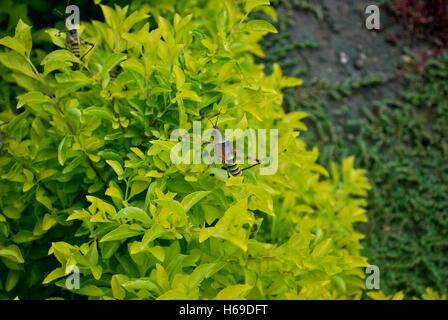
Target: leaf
<point>138,187</point>
<point>21,43</point>
<point>179,293</point>
<point>62,151</point>
<point>162,277</point>
<point>190,95</point>
<point>89,290</point>
<point>62,247</point>
<point>12,280</point>
<point>53,275</point>
<point>12,252</point>
<point>193,198</point>
<point>56,65</point>
<point>158,253</point>
<point>139,284</point>
<point>48,222</point>
<point>210,45</point>
<point>99,112</point>
<point>236,292</point>
<point>15,45</point>
<point>28,183</point>
<point>322,248</point>
<point>339,283</point>
<point>252,4</point>
<point>164,145</point>
<point>174,206</point>
<point>110,16</point>
<point>122,232</point>
<point>101,205</point>
<point>398,296</point>
<point>117,167</point>
<point>182,112</point>
<point>180,77</point>
<point>204,271</point>
<point>377,295</point>
<point>73,164</point>
<point>117,291</point>
<point>154,174</point>
<point>108,249</point>
<point>16,62</point>
<point>60,56</point>
<point>288,82</point>
<point>225,228</point>
<point>155,232</point>
<point>114,191</point>
<point>234,181</point>
<point>43,199</point>
<point>23,35</point>
<point>76,79</point>
<point>47,174</point>
<point>259,26</point>
<point>134,213</point>
<point>97,271</point>
<point>134,65</point>
<point>132,19</point>
<point>93,260</point>
<point>112,61</point>
<point>164,27</point>
<point>55,36</point>
<point>138,152</point>
<point>33,98</point>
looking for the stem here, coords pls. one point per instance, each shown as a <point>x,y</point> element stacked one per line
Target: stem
<point>58,107</point>
<point>51,95</point>
<point>127,190</point>
<point>35,174</point>
<point>236,27</point>
<point>92,165</point>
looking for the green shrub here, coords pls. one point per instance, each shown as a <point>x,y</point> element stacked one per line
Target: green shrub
<point>87,180</point>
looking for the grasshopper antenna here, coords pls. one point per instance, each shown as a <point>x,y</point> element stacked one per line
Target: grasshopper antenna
<point>213,125</point>
<point>57,12</point>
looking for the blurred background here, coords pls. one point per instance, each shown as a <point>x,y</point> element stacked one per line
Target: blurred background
<point>379,95</point>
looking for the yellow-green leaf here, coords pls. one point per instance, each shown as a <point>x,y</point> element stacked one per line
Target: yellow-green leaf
<point>12,252</point>
<point>259,26</point>
<point>193,198</point>
<point>116,166</point>
<point>252,4</point>
<point>134,213</point>
<point>122,232</point>
<point>236,292</point>
<point>43,199</point>
<point>53,275</point>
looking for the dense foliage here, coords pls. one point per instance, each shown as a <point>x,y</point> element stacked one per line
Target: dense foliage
<point>87,181</point>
